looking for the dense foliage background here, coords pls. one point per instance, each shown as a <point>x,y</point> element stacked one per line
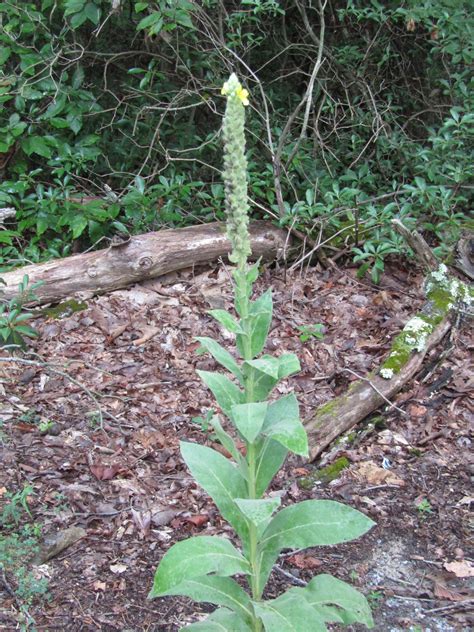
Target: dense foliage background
<point>111,109</point>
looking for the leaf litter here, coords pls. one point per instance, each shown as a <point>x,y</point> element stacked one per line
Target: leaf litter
<point>119,481</point>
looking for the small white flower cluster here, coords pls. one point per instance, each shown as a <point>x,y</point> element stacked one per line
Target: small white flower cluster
<point>387,374</point>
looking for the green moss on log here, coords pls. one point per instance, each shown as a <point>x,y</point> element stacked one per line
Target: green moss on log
<point>325,474</point>
<point>64,309</point>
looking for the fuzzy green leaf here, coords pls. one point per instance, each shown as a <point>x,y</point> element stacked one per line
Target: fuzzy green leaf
<point>221,620</point>
<point>259,511</point>
<point>257,324</point>
<point>266,364</point>
<point>310,523</point>
<point>224,390</point>
<point>249,418</point>
<point>222,356</point>
<point>221,480</point>
<point>283,424</point>
<point>262,383</point>
<point>265,372</point>
<point>288,364</point>
<point>335,601</point>
<point>225,439</point>
<point>289,613</point>
<point>226,320</point>
<point>270,457</point>
<point>222,591</point>
<point>196,557</point>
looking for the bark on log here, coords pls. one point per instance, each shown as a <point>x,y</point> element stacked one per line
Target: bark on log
<point>143,257</point>
<point>343,412</point>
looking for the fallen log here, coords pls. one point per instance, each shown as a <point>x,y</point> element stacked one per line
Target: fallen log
<point>419,336</point>
<point>142,257</point>
<point>364,397</point>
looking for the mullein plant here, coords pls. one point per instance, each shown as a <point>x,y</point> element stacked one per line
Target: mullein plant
<point>201,567</point>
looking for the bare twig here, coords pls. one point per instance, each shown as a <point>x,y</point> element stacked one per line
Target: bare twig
<point>294,580</point>
<point>366,379</point>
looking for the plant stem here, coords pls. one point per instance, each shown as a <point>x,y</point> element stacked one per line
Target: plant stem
<point>242,291</point>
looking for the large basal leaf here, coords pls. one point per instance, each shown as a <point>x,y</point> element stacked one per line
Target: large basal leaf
<point>310,523</point>
<point>222,356</point>
<point>283,424</point>
<point>221,620</point>
<point>221,480</point>
<point>259,319</point>
<point>258,511</point>
<point>270,457</point>
<point>249,418</point>
<point>336,601</point>
<point>289,613</point>
<point>195,557</point>
<point>226,392</point>
<point>222,591</point>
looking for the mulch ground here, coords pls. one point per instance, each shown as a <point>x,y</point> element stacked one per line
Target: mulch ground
<point>119,477</point>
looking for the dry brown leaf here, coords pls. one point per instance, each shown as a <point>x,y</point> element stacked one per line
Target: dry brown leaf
<point>116,332</point>
<point>100,320</point>
<point>199,520</point>
<point>118,569</point>
<point>376,475</point>
<point>148,334</point>
<point>105,472</point>
<point>417,411</point>
<point>150,438</point>
<point>463,568</point>
<point>443,592</point>
<point>300,560</point>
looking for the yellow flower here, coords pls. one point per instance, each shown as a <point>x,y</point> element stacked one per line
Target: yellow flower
<point>243,95</point>
<point>233,86</point>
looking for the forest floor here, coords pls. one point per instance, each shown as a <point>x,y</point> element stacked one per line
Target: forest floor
<point>117,489</point>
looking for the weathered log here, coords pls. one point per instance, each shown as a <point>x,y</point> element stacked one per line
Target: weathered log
<point>364,396</point>
<point>142,257</point>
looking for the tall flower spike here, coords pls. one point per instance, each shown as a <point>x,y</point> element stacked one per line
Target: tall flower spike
<point>235,171</point>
